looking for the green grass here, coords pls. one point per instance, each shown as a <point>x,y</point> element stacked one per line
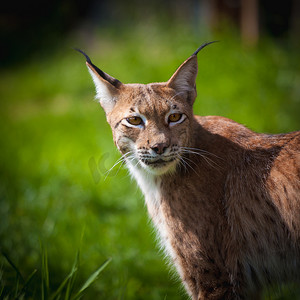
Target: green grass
<point>22,289</point>
<point>56,148</point>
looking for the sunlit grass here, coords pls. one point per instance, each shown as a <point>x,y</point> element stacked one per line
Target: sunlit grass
<point>56,149</point>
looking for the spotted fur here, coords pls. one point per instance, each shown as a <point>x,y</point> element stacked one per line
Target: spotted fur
<point>225,200</point>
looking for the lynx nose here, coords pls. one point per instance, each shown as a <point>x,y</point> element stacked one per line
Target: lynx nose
<point>160,148</point>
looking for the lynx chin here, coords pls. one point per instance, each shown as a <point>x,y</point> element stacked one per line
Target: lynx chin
<point>224,199</point>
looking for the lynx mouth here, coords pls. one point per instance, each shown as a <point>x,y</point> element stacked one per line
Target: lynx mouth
<point>159,166</point>
<point>159,162</point>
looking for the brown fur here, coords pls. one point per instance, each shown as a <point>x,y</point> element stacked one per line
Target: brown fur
<point>228,208</point>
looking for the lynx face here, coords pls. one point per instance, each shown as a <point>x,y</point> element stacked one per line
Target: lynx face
<point>152,129</point>
<point>151,124</point>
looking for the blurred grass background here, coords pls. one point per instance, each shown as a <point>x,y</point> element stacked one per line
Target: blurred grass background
<point>56,147</point>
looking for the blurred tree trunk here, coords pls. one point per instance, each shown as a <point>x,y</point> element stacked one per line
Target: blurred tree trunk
<point>295,22</point>
<point>242,13</point>
<point>249,22</point>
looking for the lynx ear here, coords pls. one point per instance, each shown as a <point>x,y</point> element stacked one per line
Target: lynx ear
<point>183,81</point>
<point>184,78</point>
<point>107,87</point>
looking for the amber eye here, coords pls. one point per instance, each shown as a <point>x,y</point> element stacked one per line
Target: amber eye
<point>175,117</point>
<point>134,121</point>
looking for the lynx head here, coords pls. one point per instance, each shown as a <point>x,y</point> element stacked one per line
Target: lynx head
<point>151,123</point>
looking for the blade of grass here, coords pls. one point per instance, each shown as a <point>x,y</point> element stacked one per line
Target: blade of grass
<point>73,278</point>
<point>1,291</point>
<point>12,265</point>
<point>45,274</point>
<point>26,284</point>
<point>18,274</point>
<point>17,286</point>
<point>60,288</point>
<point>91,279</point>
<point>68,279</point>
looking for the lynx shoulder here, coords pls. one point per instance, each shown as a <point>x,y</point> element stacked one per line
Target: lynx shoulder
<point>225,200</point>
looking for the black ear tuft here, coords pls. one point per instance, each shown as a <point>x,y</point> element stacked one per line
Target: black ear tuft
<point>86,56</point>
<point>115,82</point>
<point>202,46</point>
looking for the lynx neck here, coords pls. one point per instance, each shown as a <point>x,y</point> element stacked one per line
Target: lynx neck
<point>148,183</point>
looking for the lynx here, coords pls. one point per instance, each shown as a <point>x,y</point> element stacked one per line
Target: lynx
<point>224,199</point>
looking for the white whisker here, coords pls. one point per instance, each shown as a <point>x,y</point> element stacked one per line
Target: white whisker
<point>182,163</point>
<point>120,160</point>
<point>209,161</point>
<point>204,154</point>
<point>201,151</point>
<point>185,162</point>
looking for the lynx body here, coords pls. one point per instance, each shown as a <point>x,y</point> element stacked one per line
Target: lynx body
<point>225,200</point>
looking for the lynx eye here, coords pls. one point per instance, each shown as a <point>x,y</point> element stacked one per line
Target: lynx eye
<point>134,121</point>
<point>174,117</point>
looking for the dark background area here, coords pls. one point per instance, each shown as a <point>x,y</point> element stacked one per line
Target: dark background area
<point>29,27</point>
